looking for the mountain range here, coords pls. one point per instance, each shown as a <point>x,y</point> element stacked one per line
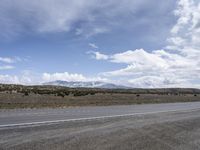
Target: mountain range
<point>91,84</point>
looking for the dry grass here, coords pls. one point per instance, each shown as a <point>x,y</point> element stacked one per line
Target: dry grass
<point>18,100</point>
<point>18,96</point>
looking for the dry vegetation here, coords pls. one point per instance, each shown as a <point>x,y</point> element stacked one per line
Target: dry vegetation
<point>18,96</point>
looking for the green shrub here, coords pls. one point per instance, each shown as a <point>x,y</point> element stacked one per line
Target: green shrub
<point>26,93</point>
<point>61,94</point>
<point>80,93</point>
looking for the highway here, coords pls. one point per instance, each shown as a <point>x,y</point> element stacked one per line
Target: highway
<point>41,116</point>
<point>149,126</point>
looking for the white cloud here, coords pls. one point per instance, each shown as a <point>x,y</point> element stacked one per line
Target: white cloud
<point>13,79</point>
<point>139,57</point>
<point>27,77</point>
<point>186,32</point>
<point>178,65</point>
<point>159,82</point>
<point>47,16</point>
<point>6,67</point>
<point>11,60</point>
<point>93,45</point>
<point>95,30</point>
<point>8,79</point>
<point>185,8</point>
<point>157,60</point>
<point>7,60</point>
<point>63,76</point>
<point>150,81</point>
<point>98,55</point>
<point>144,67</point>
<point>87,17</point>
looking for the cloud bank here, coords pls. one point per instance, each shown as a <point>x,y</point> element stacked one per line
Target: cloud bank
<point>177,65</point>
<point>5,62</point>
<point>83,17</point>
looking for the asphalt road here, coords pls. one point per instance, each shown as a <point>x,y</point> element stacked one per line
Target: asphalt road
<point>41,116</point>
<point>145,127</point>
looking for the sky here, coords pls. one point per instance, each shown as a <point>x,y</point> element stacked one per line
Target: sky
<point>136,43</point>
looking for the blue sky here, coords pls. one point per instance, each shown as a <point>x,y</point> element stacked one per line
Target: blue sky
<point>138,43</point>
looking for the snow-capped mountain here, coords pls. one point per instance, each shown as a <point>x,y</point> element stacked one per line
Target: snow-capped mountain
<point>92,84</point>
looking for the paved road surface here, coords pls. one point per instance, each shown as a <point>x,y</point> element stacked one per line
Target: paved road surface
<point>146,127</point>
<point>38,116</point>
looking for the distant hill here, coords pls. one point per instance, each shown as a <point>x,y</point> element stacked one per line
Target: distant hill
<point>94,84</point>
<point>101,94</point>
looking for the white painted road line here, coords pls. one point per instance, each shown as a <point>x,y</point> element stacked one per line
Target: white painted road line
<point>92,118</point>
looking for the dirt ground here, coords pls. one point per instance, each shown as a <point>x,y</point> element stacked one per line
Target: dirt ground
<point>18,100</point>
